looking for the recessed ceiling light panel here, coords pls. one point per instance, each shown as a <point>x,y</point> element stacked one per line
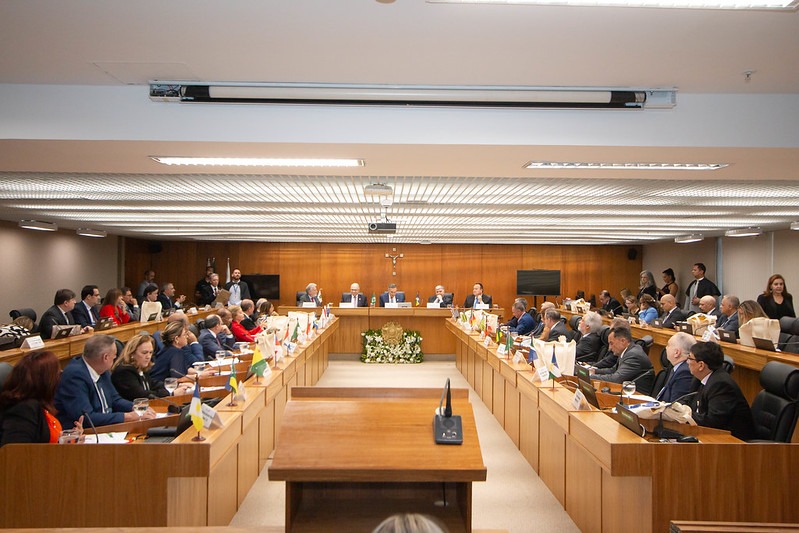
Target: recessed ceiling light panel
<point>673,4</point>
<point>88,232</point>
<point>38,225</point>
<point>744,232</point>
<point>257,161</point>
<point>550,165</point>
<point>686,239</point>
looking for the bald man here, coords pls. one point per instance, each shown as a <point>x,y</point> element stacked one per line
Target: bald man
<point>707,305</point>
<point>671,312</point>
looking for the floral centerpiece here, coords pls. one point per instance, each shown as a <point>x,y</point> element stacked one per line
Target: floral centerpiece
<point>391,345</point>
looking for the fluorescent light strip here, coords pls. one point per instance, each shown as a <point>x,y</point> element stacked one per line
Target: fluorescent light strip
<point>256,161</point>
<point>743,232</point>
<point>88,232</point>
<point>686,239</point>
<point>672,4</point>
<point>549,165</point>
<point>38,225</point>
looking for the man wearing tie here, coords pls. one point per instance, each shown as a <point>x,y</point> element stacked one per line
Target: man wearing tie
<point>699,287</point>
<point>85,312</point>
<point>477,297</point>
<point>311,295</point>
<point>86,387</point>
<point>671,313</point>
<point>728,321</point>
<point>60,314</point>
<point>440,298</point>
<point>355,296</point>
<point>216,336</point>
<point>239,290</point>
<point>679,380</point>
<point>719,402</point>
<point>392,296</point>
<point>632,364</point>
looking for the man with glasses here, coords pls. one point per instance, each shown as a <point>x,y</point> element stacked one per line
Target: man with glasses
<point>86,388</point>
<point>719,402</point>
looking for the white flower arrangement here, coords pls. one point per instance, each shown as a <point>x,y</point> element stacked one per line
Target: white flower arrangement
<point>409,350</point>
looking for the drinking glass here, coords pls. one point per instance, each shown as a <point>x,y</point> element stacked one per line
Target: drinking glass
<point>220,354</point>
<point>140,406</point>
<point>171,385</point>
<point>628,389</point>
<point>69,436</point>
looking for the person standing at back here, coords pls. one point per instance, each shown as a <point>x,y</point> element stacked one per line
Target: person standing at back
<point>699,287</point>
<point>238,288</point>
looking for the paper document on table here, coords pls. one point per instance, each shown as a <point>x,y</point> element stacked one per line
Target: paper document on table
<point>107,438</point>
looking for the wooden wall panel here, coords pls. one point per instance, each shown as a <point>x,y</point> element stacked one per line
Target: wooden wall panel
<point>335,266</point>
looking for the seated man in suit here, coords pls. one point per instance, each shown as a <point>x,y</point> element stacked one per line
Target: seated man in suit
<point>354,296</point>
<point>524,322</point>
<point>611,358</point>
<point>311,295</point>
<point>671,313</point>
<point>610,304</point>
<point>248,307</point>
<point>554,327</point>
<point>728,321</point>
<point>632,364</point>
<point>239,289</point>
<point>513,322</point>
<point>719,402</point>
<point>477,297</point>
<point>590,342</point>
<point>392,296</point>
<point>216,336</point>
<point>707,305</point>
<point>131,304</point>
<point>85,312</point>
<point>167,297</point>
<point>86,387</point>
<point>679,380</point>
<point>60,314</point>
<point>539,329</point>
<point>440,297</point>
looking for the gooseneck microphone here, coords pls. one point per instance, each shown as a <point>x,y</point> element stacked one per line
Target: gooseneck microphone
<point>447,429</point>
<point>96,436</point>
<point>448,408</point>
<point>665,433</point>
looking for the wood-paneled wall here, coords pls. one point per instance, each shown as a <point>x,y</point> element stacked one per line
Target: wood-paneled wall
<point>335,266</point>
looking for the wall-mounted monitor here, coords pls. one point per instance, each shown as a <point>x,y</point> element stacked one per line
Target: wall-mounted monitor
<point>263,286</point>
<point>538,282</point>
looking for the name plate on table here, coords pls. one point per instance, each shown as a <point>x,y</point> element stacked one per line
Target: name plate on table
<point>308,304</point>
<point>390,305</point>
<point>347,304</point>
<point>33,343</point>
<point>543,373</point>
<point>433,305</point>
<point>482,306</point>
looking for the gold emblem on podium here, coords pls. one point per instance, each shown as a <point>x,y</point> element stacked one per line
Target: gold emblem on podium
<point>392,333</point>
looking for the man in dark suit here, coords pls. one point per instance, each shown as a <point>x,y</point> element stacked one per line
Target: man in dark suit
<point>554,327</point>
<point>707,305</point>
<point>699,287</point>
<point>248,308</point>
<point>632,365</point>
<point>391,296</point>
<point>86,387</point>
<point>719,402</point>
<point>590,343</point>
<point>671,313</point>
<point>354,296</point>
<point>729,314</point>
<point>440,297</point>
<point>524,322</point>
<point>216,336</point>
<point>239,289</point>
<point>311,295</point>
<point>60,314</point>
<point>679,380</point>
<point>477,297</point>
<point>610,304</point>
<point>85,312</point>
<point>167,297</point>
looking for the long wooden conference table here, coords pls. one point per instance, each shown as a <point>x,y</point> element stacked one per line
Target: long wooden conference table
<point>609,479</point>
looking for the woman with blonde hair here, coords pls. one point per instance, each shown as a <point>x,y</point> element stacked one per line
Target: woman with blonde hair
<point>131,371</point>
<point>647,285</point>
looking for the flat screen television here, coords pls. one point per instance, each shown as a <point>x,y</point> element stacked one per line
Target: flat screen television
<point>263,286</point>
<point>538,282</point>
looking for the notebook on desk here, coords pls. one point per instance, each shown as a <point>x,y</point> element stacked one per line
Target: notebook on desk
<point>589,392</point>
<point>658,323</point>
<point>685,327</point>
<point>60,332</point>
<point>104,323</point>
<point>726,336</point>
<point>629,420</point>
<point>764,344</point>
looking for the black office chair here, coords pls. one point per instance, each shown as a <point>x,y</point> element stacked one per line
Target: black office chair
<point>24,311</point>
<point>645,342</point>
<point>789,334</point>
<point>574,322</point>
<point>450,296</point>
<point>345,294</point>
<point>5,371</point>
<point>660,377</point>
<point>300,294</point>
<point>728,364</point>
<point>604,332</point>
<point>776,407</point>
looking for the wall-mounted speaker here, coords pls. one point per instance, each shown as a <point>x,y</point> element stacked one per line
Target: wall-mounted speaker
<point>155,247</point>
<point>632,253</point>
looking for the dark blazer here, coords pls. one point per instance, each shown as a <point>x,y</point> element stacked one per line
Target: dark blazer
<point>24,422</point>
<point>558,330</point>
<point>211,343</point>
<point>206,295</point>
<point>613,306</point>
<point>588,348</point>
<point>671,318</point>
<point>360,300</point>
<point>678,384</point>
<point>729,323</point>
<point>400,296</point>
<point>307,298</point>
<point>244,289</point>
<point>167,302</point>
<point>651,291</point>
<point>81,315</point>
<point>76,394</point>
<point>53,316</point>
<point>470,300</point>
<point>630,365</point>
<point>525,325</point>
<point>173,358</point>
<point>131,385</point>
<point>705,288</point>
<point>446,300</point>
<point>721,404</point>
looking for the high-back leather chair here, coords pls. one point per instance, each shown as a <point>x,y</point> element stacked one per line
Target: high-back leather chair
<point>660,377</point>
<point>728,364</point>
<point>300,294</point>
<point>5,371</point>
<point>24,311</point>
<point>776,407</point>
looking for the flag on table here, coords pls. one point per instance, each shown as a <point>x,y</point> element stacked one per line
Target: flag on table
<point>533,356</point>
<point>258,365</point>
<point>483,323</point>
<point>232,384</point>
<point>472,319</point>
<point>296,333</point>
<point>554,370</point>
<point>308,327</point>
<point>508,343</point>
<point>374,300</point>
<point>463,317</point>
<point>196,408</point>
<point>497,337</point>
<point>418,301</point>
<point>286,335</point>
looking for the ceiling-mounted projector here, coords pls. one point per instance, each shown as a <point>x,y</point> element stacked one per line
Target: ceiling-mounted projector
<point>378,189</point>
<point>382,228</point>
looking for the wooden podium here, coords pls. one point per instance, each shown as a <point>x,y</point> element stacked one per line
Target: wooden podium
<point>352,457</point>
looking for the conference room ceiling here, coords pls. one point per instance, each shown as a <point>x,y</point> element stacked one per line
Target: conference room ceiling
<point>448,193</point>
